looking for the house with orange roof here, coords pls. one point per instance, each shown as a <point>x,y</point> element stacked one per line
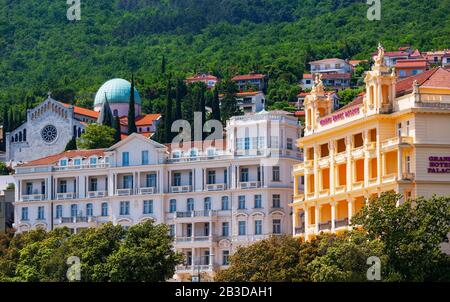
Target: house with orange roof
<point>332,65</point>
<point>410,67</point>
<point>251,80</point>
<point>208,79</point>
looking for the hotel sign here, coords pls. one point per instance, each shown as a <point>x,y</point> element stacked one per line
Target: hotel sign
<point>439,164</point>
<point>339,116</point>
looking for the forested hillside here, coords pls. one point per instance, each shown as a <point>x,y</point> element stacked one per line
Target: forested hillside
<point>40,50</point>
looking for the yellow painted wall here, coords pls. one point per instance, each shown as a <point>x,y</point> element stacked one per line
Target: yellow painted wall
<point>325,213</point>
<point>325,178</point>
<point>341,209</point>
<point>373,168</point>
<point>391,162</point>
<point>359,170</point>
<point>342,172</point>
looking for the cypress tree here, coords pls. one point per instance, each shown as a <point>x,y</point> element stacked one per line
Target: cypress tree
<point>168,115</point>
<point>131,110</point>
<point>163,65</point>
<point>117,134</point>
<point>106,117</point>
<point>215,106</point>
<point>72,144</point>
<point>5,121</point>
<point>178,98</point>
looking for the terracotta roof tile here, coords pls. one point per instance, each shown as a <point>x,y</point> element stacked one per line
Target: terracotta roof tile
<point>249,76</point>
<point>52,159</point>
<point>405,85</point>
<point>409,63</point>
<point>83,111</point>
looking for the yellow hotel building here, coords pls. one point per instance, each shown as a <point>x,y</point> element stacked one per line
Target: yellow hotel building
<point>394,137</point>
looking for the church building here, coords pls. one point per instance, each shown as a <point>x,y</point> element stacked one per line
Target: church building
<point>52,124</point>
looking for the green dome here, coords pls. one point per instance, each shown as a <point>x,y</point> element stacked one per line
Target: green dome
<point>117,91</point>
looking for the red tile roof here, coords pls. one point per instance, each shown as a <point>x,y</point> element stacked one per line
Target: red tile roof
<point>145,120</point>
<point>356,62</point>
<point>248,93</point>
<point>201,77</point>
<point>299,113</point>
<point>409,63</point>
<point>52,159</point>
<point>436,77</point>
<point>250,76</point>
<point>83,111</point>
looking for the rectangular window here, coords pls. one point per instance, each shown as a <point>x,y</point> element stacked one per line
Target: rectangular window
<point>40,213</point>
<point>276,226</point>
<point>274,144</point>
<point>58,211</point>
<point>148,207</point>
<point>125,158</point>
<point>128,181</point>
<point>172,205</point>
<point>73,210</point>
<point>247,143</point>
<point>242,228</point>
<point>144,157</point>
<point>43,187</point>
<point>172,230</point>
<point>225,176</point>
<point>29,188</point>
<point>176,179</point>
<point>93,185</point>
<point>275,173</point>
<point>24,213</point>
<point>190,204</point>
<point>244,174</point>
<point>407,128</point>
<point>124,208</point>
<point>258,227</point>
<point>89,210</point>
<point>63,186</point>
<point>289,144</point>
<point>261,140</point>
<point>399,129</point>
<point>258,202</point>
<point>225,229</point>
<point>63,162</point>
<point>241,204</point>
<point>225,257</point>
<point>276,201</point>
<point>104,209</point>
<point>211,177</point>
<point>77,162</point>
<point>93,161</point>
<point>150,180</point>
<point>190,178</point>
<point>225,203</point>
<point>207,204</point>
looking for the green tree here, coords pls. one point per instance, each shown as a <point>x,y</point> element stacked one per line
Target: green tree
<point>105,116</point>
<point>228,107</point>
<point>348,95</point>
<point>146,255</point>
<point>132,110</point>
<point>180,93</point>
<point>168,113</point>
<point>412,233</point>
<point>277,259</point>
<point>72,144</point>
<point>96,136</point>
<point>215,106</point>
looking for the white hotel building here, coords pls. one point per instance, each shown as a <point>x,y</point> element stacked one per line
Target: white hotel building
<point>214,198</point>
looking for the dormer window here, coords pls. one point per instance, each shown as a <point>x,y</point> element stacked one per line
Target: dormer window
<point>77,162</point>
<point>93,160</point>
<point>63,162</point>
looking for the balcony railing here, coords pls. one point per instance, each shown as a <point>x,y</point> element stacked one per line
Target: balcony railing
<point>180,189</point>
<point>249,184</point>
<point>324,161</point>
<point>77,219</point>
<point>324,192</point>
<point>373,181</point>
<point>204,213</point>
<point>324,226</point>
<point>147,190</point>
<point>195,268</point>
<point>408,176</point>
<point>309,164</point>
<point>394,141</point>
<point>339,223</point>
<point>33,197</point>
<point>390,177</point>
<point>371,145</point>
<point>180,239</point>
<point>96,194</point>
<point>79,167</point>
<point>124,192</point>
<point>300,230</point>
<point>310,195</point>
<point>64,196</point>
<point>358,152</point>
<point>358,185</point>
<point>216,187</point>
<point>339,189</point>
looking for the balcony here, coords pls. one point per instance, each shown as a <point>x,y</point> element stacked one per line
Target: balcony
<point>180,189</point>
<point>324,161</point>
<point>358,152</point>
<point>340,189</point>
<point>370,146</point>
<point>216,187</point>
<point>147,190</point>
<point>373,181</point>
<point>393,142</point>
<point>33,197</point>
<point>358,185</point>
<point>323,226</point>
<point>80,167</point>
<point>310,195</point>
<point>340,157</point>
<point>300,230</point>
<point>191,214</point>
<point>65,196</point>
<point>339,223</point>
<point>309,164</point>
<point>408,176</point>
<point>194,268</point>
<point>194,239</point>
<point>299,197</point>
<point>124,192</point>
<point>390,178</point>
<point>249,184</point>
<point>96,194</point>
<point>78,219</point>
<point>324,193</point>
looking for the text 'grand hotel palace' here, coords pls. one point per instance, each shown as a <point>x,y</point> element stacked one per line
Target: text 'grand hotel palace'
<point>394,137</point>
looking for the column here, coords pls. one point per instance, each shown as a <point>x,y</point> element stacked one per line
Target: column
<point>317,216</point>
<point>400,163</point>
<point>366,158</point>
<point>350,209</point>
<point>316,169</point>
<point>333,215</point>
<point>332,172</point>
<point>116,186</point>
<point>210,256</point>
<point>349,163</point>
<point>306,219</point>
<point>306,184</point>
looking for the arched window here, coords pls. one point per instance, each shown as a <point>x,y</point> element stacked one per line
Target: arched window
<point>89,210</point>
<point>190,204</point>
<point>73,210</point>
<point>24,135</point>
<point>116,112</point>
<point>16,138</point>
<point>20,136</point>
<point>207,203</point>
